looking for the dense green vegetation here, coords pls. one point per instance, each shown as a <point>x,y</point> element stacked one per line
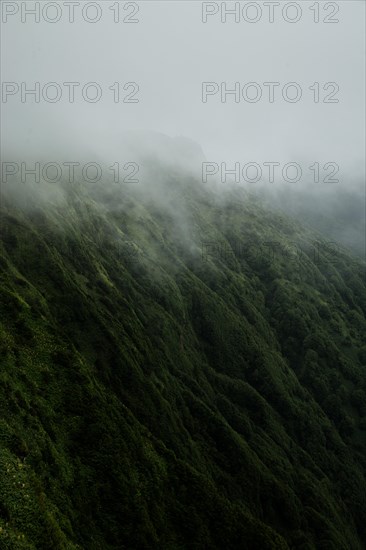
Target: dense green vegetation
<point>179,370</point>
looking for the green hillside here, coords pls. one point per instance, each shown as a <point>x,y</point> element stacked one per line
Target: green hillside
<point>180,369</point>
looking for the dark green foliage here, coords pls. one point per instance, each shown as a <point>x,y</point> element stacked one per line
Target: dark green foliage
<point>152,398</point>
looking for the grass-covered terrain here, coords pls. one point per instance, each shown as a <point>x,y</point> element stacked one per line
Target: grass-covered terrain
<point>179,370</point>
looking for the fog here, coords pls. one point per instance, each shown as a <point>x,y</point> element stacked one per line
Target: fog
<point>160,54</point>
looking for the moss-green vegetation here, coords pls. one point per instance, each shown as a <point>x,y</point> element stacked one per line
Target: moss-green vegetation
<point>157,393</point>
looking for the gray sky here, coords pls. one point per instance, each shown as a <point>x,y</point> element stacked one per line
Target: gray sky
<point>169,53</point>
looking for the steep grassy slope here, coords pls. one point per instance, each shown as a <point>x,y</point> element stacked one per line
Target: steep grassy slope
<point>170,379</point>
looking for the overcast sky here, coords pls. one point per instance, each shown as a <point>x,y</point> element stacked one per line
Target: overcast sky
<point>169,53</point>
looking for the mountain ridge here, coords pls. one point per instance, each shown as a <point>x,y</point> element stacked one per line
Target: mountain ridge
<point>159,393</point>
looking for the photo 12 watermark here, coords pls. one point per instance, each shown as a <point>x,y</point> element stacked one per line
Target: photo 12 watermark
<point>69,172</point>
<point>319,252</point>
<point>69,92</point>
<point>70,12</point>
<point>114,245</point>
<point>270,12</point>
<point>270,172</point>
<point>269,92</point>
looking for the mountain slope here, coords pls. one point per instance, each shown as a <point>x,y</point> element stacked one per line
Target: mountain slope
<point>179,369</point>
